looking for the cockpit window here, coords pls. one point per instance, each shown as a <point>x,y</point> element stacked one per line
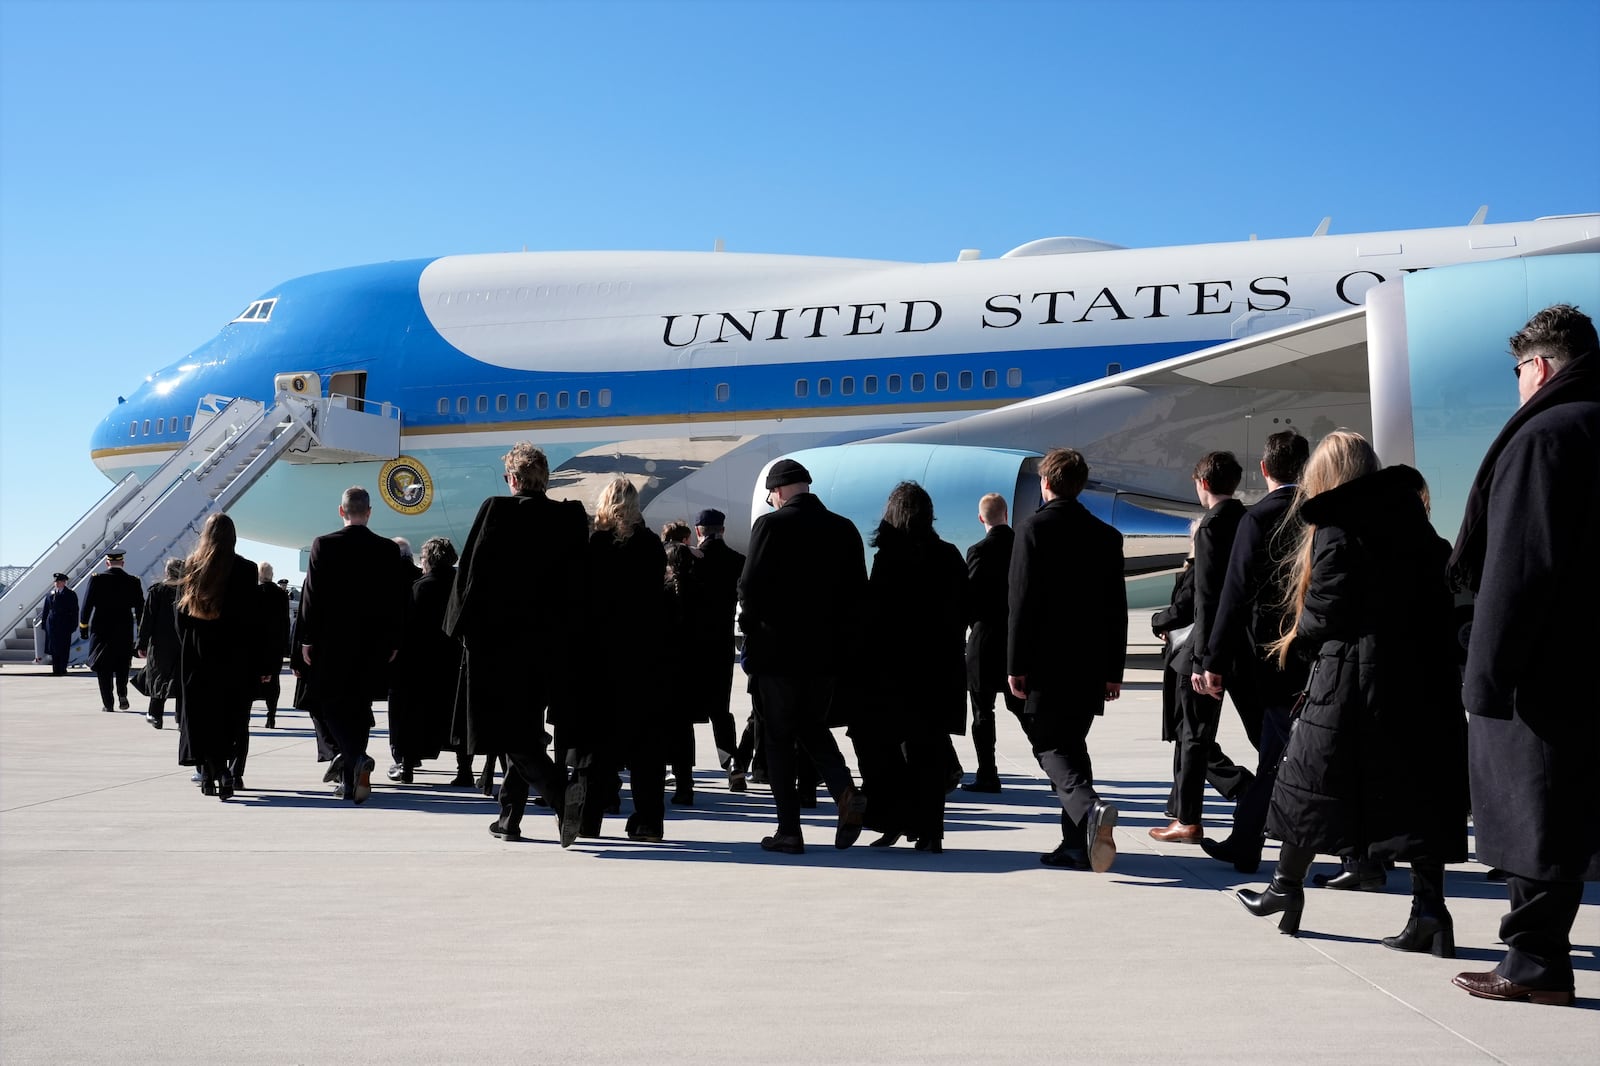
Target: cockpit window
<point>260,311</point>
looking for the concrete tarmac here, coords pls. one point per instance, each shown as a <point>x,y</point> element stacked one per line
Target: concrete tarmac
<point>143,923</point>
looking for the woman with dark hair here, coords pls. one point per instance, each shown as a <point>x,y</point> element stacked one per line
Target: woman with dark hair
<point>422,694</point>
<point>158,643</point>
<point>219,630</point>
<point>622,724</point>
<point>916,614</point>
<point>1376,761</point>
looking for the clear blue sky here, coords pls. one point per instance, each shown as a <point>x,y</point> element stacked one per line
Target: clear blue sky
<point>161,164</point>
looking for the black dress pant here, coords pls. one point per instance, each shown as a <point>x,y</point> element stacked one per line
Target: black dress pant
<point>349,729</point>
<point>984,731</point>
<point>1250,817</point>
<point>1250,701</point>
<point>647,778</point>
<point>749,754</point>
<point>1057,725</point>
<point>525,768</point>
<point>104,675</point>
<point>1537,931</point>
<point>717,693</point>
<point>327,749</point>
<point>241,741</point>
<point>794,711</point>
<point>1199,758</point>
<point>680,754</point>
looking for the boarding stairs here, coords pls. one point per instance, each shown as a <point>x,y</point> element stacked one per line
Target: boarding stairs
<point>233,443</point>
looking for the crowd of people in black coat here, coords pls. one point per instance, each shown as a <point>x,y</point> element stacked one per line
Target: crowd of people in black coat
<point>1326,612</point>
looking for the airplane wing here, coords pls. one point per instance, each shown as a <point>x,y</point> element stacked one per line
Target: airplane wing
<point>1143,429</point>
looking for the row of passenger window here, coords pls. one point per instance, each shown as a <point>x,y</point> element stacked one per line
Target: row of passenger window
<point>541,401</point>
<point>135,430</point>
<point>564,398</point>
<point>893,383</point>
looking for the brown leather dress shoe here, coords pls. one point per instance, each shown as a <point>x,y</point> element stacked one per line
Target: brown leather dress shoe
<point>1178,833</point>
<point>1492,986</point>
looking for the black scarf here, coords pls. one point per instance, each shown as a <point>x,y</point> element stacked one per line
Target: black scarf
<point>1578,380</point>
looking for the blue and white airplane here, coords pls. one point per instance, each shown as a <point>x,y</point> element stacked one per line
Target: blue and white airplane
<point>691,372</point>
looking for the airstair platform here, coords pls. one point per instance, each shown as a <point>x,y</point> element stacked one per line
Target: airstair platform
<point>234,441</point>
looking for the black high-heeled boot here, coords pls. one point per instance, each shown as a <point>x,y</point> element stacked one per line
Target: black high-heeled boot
<point>1280,897</point>
<point>1426,932</point>
<point>1430,927</point>
<point>1286,895</point>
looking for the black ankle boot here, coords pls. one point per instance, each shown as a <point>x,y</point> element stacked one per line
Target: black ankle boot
<point>1426,932</point>
<point>1244,860</point>
<point>1281,897</point>
<point>1361,875</point>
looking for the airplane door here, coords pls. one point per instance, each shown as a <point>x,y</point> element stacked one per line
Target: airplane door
<point>351,384</point>
<point>704,469</point>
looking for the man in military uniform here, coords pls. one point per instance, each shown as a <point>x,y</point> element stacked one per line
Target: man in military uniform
<point>60,621</point>
<point>112,609</point>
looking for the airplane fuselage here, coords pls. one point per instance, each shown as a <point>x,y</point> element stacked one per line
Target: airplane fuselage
<point>689,371</point>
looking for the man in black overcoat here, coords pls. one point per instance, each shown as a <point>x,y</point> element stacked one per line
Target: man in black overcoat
<point>1199,706</point>
<point>1528,547</point>
<point>112,607</point>
<point>349,630</point>
<point>1250,615</point>
<point>161,647</point>
<point>801,596</point>
<point>518,599</point>
<point>275,635</point>
<point>1066,640</point>
<point>60,622</point>
<point>715,604</point>
<point>988,571</point>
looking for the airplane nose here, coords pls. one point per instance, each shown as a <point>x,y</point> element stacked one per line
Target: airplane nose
<point>101,440</point>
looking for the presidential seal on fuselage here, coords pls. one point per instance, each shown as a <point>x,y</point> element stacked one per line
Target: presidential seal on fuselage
<point>406,485</point>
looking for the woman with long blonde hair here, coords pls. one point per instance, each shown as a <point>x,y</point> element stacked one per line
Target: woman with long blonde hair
<point>1376,761</point>
<point>624,725</point>
<point>220,626</point>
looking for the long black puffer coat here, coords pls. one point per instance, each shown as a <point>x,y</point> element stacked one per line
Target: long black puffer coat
<point>1377,759</point>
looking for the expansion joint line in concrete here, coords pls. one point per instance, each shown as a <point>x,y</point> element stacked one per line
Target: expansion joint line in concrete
<point>135,781</point>
<point>1202,875</point>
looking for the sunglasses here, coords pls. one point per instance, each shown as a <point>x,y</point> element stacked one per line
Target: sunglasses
<point>1516,371</point>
